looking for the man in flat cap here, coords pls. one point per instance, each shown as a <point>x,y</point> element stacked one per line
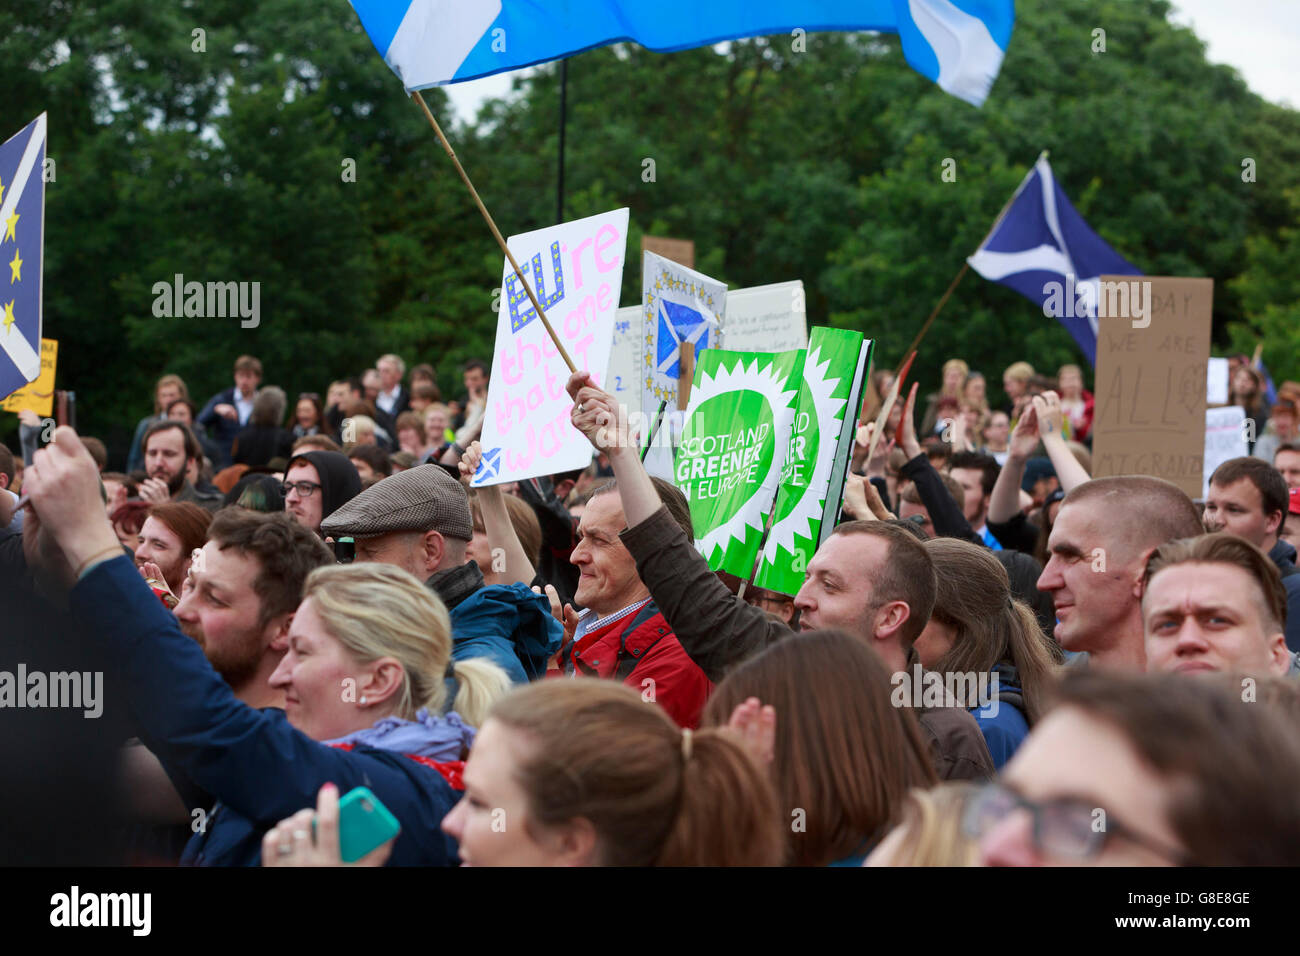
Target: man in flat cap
<point>419,520</point>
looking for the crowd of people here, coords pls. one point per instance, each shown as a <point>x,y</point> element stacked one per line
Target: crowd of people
<point>990,652</point>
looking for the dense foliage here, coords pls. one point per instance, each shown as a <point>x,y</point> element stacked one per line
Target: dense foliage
<point>824,164</point>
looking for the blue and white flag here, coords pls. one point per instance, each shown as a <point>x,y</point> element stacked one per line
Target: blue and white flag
<point>22,231</point>
<point>1044,250</point>
<point>957,43</point>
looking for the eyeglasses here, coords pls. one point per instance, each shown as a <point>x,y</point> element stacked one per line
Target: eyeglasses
<point>1065,827</point>
<point>305,489</point>
<point>310,396</point>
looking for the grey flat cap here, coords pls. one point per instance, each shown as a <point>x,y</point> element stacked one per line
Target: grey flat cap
<point>424,498</point>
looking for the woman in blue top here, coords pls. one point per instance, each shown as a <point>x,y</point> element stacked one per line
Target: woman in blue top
<point>368,651</point>
<point>986,644</point>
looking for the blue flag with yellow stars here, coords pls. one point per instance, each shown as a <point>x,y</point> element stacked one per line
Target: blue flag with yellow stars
<point>22,233</point>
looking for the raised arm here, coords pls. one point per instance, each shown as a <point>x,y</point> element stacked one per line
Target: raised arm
<point>1071,474</point>
<point>496,520</point>
<point>945,514</point>
<point>1004,502</point>
<point>253,760</point>
<point>715,627</point>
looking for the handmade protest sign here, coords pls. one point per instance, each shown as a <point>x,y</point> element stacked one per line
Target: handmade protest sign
<point>679,305</point>
<point>766,318</point>
<point>576,269</point>
<point>733,446</point>
<point>1151,377</point>
<point>621,380</point>
<point>820,443</point>
<point>1225,438</point>
<point>37,396</point>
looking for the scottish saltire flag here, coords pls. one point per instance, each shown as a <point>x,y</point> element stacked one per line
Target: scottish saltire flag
<point>678,325</point>
<point>1042,247</point>
<point>22,230</point>
<point>958,44</point>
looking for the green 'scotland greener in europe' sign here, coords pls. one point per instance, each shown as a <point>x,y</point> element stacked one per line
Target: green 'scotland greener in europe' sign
<point>820,443</point>
<point>732,449</point>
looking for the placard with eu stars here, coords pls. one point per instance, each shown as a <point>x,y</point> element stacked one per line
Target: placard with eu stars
<point>22,235</point>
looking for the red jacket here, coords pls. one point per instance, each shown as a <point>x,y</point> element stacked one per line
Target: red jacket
<point>642,651</point>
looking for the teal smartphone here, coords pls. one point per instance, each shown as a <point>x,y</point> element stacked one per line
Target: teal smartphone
<point>364,824</point>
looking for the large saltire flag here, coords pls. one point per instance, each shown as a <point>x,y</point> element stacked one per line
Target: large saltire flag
<point>1042,247</point>
<point>22,235</point>
<point>733,447</point>
<point>959,44</point>
<point>817,459</point>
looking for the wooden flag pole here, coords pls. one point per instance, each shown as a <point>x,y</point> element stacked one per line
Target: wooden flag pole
<point>541,314</point>
<point>966,265</point>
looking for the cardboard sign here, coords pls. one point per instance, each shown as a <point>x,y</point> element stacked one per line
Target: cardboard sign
<point>681,251</point>
<point>576,271</point>
<point>1225,438</point>
<point>766,318</point>
<point>1151,377</point>
<point>38,396</point>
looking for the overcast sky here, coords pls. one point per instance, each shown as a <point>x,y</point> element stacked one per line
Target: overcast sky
<point>1261,38</point>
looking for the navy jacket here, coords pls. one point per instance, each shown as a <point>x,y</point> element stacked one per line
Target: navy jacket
<point>259,767</point>
<point>1283,555</point>
<point>222,430</point>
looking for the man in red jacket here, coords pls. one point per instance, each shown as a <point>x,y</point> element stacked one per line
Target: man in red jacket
<point>621,634</point>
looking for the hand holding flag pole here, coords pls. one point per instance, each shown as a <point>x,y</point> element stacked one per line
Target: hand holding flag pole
<point>541,314</point>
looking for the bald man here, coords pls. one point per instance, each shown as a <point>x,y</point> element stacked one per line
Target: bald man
<point>1104,533</point>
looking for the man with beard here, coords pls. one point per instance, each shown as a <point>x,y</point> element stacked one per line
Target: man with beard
<point>170,448</point>
<point>244,587</point>
<point>171,533</point>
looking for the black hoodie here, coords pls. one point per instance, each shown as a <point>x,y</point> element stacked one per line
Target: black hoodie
<point>339,481</point>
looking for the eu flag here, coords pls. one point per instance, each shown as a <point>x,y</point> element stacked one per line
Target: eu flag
<point>22,233</point>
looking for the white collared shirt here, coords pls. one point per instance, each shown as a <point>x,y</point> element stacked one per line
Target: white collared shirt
<point>588,621</point>
<point>244,406</point>
<point>388,400</point>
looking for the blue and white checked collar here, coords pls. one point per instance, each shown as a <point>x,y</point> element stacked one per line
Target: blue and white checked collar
<point>588,622</point>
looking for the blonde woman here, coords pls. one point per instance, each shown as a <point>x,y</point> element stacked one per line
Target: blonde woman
<point>366,653</point>
<point>930,831</point>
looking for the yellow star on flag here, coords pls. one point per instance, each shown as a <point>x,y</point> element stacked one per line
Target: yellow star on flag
<point>10,223</point>
<point>2,189</point>
<point>16,267</point>
<point>649,382</point>
<point>9,315</point>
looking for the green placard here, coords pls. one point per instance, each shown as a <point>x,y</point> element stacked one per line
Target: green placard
<point>820,443</point>
<point>733,447</point>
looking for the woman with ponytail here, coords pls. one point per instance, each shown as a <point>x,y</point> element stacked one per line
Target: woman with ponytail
<point>977,628</point>
<point>585,773</point>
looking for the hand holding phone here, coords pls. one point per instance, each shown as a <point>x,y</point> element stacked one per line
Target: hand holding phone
<point>358,830</point>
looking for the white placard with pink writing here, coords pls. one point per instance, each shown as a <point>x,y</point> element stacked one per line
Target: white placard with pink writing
<point>576,270</point>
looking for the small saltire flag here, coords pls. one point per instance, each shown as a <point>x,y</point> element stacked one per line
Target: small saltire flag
<point>680,307</point>
<point>22,236</point>
<point>959,44</point>
<point>1045,250</point>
